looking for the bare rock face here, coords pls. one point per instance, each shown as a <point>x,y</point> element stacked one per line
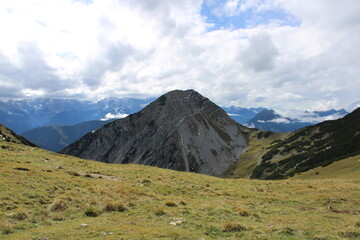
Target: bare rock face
<point>181,130</point>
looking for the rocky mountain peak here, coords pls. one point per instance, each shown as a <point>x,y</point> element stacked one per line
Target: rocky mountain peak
<point>177,105</point>
<point>181,130</point>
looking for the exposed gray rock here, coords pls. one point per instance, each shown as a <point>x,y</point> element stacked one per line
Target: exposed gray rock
<point>181,130</point>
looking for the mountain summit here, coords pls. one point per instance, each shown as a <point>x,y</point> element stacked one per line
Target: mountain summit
<point>181,130</point>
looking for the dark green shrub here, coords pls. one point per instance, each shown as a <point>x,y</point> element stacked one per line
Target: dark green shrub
<point>92,212</point>
<point>159,212</point>
<point>170,204</point>
<point>20,216</point>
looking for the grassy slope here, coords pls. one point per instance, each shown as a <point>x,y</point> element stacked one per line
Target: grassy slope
<point>252,157</point>
<point>11,136</point>
<point>307,148</point>
<point>348,168</point>
<point>49,201</point>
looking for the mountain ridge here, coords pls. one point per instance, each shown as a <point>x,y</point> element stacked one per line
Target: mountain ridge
<point>311,147</point>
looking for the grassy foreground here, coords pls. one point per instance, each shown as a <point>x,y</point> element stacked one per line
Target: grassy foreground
<point>43,194</point>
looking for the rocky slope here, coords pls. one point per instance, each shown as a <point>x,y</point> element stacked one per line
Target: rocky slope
<point>181,130</point>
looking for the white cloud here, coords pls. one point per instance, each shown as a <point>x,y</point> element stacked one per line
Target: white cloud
<point>103,48</point>
<point>289,95</point>
<point>280,120</point>
<point>260,54</point>
<point>109,116</point>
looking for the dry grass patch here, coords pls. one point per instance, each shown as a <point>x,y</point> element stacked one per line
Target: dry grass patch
<point>19,216</point>
<point>58,206</point>
<point>350,234</point>
<point>233,227</point>
<point>243,212</point>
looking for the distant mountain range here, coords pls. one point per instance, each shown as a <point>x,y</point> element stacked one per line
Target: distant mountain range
<point>269,120</point>
<point>55,123</point>
<point>242,115</point>
<point>23,115</point>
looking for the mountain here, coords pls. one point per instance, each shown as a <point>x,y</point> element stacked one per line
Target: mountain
<point>242,115</point>
<point>7,135</point>
<point>331,112</point>
<point>310,147</point>
<point>269,120</point>
<point>57,137</point>
<point>181,130</point>
<point>320,116</point>
<point>23,115</point>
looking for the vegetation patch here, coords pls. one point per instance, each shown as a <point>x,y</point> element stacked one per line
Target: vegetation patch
<point>146,181</point>
<point>75,174</point>
<point>20,216</point>
<point>350,234</point>
<point>92,212</point>
<point>160,212</point>
<point>233,227</point>
<point>243,212</point>
<point>112,207</point>
<point>170,204</point>
<point>22,169</point>
<point>58,206</point>
<point>311,147</point>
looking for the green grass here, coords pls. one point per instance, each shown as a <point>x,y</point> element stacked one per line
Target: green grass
<point>62,197</point>
<point>252,157</point>
<point>348,168</point>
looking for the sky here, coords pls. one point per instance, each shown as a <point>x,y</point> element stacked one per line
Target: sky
<point>281,54</point>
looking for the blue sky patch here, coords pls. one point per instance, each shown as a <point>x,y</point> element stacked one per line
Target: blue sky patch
<point>215,15</point>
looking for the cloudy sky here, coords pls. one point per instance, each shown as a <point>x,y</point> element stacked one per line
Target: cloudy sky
<point>283,54</point>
